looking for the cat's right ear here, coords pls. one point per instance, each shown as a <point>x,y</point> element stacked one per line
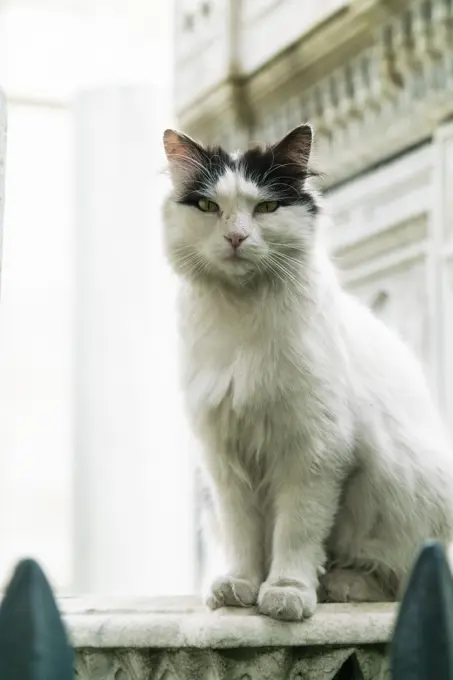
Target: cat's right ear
<point>296,145</point>
<point>184,156</point>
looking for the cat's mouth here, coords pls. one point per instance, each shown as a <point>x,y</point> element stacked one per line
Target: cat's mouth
<point>234,256</point>
<point>237,255</point>
<point>236,262</point>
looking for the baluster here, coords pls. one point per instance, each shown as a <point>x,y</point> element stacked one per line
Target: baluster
<point>390,80</point>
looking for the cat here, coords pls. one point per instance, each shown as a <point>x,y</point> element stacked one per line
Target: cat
<point>326,458</point>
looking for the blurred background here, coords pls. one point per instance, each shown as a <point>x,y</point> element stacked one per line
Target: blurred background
<point>97,476</point>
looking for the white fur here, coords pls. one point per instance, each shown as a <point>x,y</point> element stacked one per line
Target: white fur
<point>320,438</point>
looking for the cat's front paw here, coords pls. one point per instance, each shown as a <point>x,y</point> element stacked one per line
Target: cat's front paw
<point>287,601</point>
<point>227,591</point>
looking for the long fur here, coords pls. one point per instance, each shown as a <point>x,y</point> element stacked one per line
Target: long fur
<point>321,444</point>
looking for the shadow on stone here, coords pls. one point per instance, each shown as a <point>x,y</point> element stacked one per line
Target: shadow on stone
<point>33,641</point>
<point>350,670</point>
<point>422,647</point>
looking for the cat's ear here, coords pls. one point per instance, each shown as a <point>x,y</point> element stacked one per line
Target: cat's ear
<point>184,155</point>
<point>296,145</point>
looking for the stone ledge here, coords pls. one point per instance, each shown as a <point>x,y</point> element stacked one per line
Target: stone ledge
<point>178,639</point>
<point>184,622</point>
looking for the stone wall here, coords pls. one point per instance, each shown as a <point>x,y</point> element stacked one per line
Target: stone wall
<point>392,240</point>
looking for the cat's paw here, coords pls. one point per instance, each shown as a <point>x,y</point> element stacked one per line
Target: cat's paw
<point>287,601</point>
<point>227,591</point>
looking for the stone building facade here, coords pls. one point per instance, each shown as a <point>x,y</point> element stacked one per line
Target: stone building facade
<point>375,78</point>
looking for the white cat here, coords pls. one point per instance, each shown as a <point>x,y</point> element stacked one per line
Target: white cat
<point>326,458</point>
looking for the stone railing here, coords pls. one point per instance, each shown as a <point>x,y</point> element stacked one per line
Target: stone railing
<point>390,96</point>
<point>177,639</point>
<point>386,97</point>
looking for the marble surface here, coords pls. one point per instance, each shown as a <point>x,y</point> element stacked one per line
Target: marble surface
<point>178,639</point>
<point>183,622</point>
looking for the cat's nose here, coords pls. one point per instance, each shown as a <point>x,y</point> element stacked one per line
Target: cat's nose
<point>236,238</point>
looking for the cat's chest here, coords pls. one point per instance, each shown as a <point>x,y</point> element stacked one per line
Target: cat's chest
<point>239,358</point>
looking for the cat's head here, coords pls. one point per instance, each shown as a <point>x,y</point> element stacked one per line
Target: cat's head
<point>239,217</point>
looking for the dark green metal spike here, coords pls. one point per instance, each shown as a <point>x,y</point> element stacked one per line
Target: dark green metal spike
<point>422,647</point>
<point>350,670</point>
<point>33,641</point>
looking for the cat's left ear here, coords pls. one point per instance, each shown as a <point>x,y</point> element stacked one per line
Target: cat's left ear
<point>296,145</point>
<point>184,155</point>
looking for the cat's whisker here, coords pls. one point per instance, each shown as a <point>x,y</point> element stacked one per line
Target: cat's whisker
<point>293,262</point>
<point>292,266</point>
<point>293,283</point>
<point>284,276</point>
<point>282,253</point>
<point>191,263</point>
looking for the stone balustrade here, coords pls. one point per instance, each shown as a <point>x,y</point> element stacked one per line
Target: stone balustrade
<point>374,80</point>
<point>390,96</point>
<point>387,97</point>
<point>177,639</point>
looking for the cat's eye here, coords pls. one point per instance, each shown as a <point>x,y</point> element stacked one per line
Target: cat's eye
<point>266,207</point>
<point>205,205</point>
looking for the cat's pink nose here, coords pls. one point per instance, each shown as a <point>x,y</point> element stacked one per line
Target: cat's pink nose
<point>235,238</point>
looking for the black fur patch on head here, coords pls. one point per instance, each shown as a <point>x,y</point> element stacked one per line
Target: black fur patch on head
<point>282,176</point>
<point>212,162</point>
